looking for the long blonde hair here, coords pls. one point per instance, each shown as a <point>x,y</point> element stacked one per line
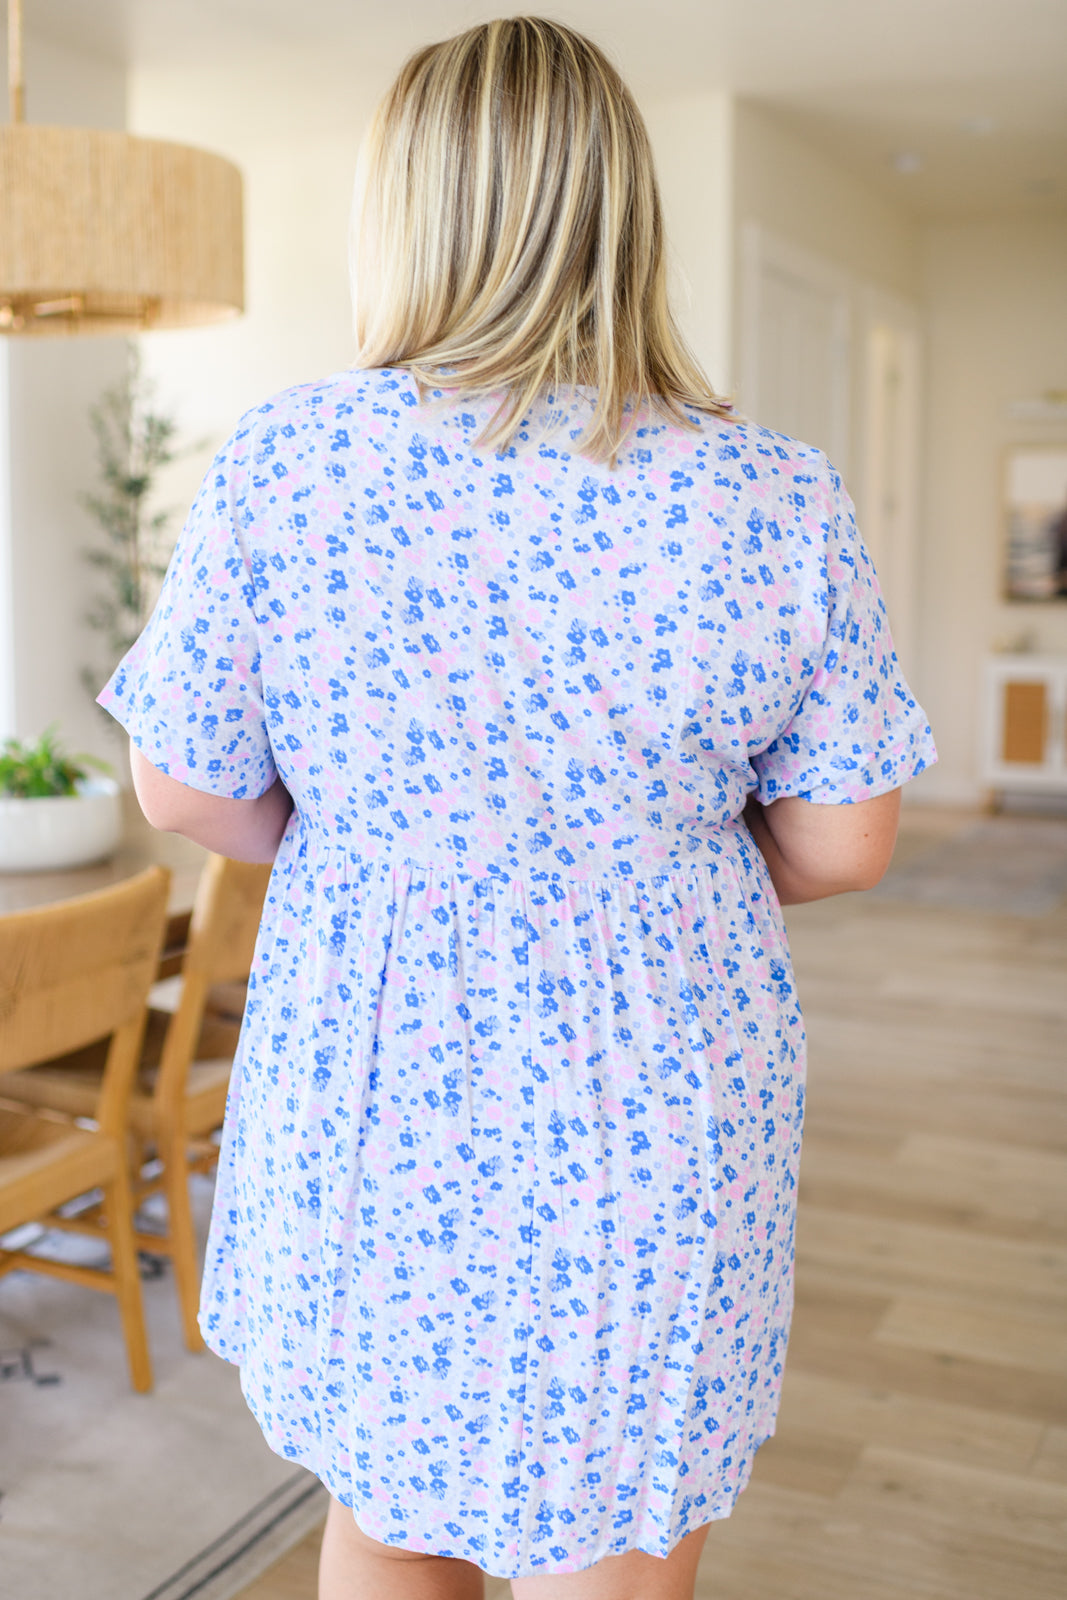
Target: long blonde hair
<point>508,234</point>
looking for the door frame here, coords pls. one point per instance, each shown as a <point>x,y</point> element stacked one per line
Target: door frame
<point>763,250</point>
<point>897,561</point>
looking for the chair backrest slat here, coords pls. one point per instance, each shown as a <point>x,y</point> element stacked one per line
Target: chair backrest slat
<point>226,917</point>
<point>77,971</point>
<point>222,940</point>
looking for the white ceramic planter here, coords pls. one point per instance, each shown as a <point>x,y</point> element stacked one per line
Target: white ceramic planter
<point>67,831</point>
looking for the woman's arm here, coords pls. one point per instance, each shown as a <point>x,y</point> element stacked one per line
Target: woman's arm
<point>244,830</point>
<point>813,851</point>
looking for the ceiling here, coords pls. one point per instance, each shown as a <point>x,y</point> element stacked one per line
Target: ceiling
<point>953,107</point>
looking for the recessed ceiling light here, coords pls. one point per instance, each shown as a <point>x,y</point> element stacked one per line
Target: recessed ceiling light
<point>906,162</point>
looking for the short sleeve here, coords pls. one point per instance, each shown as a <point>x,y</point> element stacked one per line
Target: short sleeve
<point>189,692</point>
<point>857,731</point>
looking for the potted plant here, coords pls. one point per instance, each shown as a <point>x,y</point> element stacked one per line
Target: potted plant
<point>55,810</point>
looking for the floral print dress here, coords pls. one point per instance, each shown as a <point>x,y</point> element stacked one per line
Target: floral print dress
<point>503,1235</point>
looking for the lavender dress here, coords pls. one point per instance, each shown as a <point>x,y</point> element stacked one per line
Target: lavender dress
<point>503,1237</point>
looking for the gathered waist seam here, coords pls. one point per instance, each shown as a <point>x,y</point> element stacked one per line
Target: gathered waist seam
<point>312,842</point>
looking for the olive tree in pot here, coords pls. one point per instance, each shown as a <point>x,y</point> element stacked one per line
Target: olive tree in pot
<point>134,443</point>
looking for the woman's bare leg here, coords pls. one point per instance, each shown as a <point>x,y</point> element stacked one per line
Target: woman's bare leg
<point>634,1576</point>
<point>353,1566</point>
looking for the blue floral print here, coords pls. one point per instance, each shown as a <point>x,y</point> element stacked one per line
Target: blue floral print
<point>503,1237</point>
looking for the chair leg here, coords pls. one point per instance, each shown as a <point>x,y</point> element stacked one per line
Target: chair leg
<point>183,1238</point>
<point>134,1151</point>
<point>118,1209</point>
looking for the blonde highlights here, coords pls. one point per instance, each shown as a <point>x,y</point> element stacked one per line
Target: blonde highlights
<point>509,234</point>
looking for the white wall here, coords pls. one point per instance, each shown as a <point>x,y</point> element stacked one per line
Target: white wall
<point>809,207</point>
<point>785,184</point>
<point>996,308</point>
<point>692,140</point>
<point>47,460</point>
<point>295,142</point>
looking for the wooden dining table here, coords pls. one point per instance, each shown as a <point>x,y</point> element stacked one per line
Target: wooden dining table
<point>142,846</point>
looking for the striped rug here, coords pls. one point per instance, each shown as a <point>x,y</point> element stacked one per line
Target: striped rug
<point>110,1495</point>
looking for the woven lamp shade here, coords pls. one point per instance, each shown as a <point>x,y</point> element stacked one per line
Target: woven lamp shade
<point>101,232</point>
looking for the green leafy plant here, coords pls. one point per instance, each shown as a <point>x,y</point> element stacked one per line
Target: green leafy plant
<point>40,770</point>
<point>134,442</point>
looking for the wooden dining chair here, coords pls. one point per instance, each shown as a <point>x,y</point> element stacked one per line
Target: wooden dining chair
<point>179,1096</point>
<point>72,973</point>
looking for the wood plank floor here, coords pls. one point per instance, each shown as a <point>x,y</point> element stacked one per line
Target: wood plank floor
<point>922,1443</point>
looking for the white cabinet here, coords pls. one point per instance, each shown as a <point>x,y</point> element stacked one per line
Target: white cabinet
<point>1026,723</point>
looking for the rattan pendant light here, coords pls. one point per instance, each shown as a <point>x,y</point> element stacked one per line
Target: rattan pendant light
<point>105,233</point>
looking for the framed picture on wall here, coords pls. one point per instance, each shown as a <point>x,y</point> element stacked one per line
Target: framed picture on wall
<point>1035,516</point>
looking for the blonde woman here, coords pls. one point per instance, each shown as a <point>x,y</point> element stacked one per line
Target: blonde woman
<point>548,681</point>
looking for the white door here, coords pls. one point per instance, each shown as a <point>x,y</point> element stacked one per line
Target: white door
<point>890,478</point>
<point>795,354</point>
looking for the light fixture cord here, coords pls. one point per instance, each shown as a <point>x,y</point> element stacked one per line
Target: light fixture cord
<point>15,87</point>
